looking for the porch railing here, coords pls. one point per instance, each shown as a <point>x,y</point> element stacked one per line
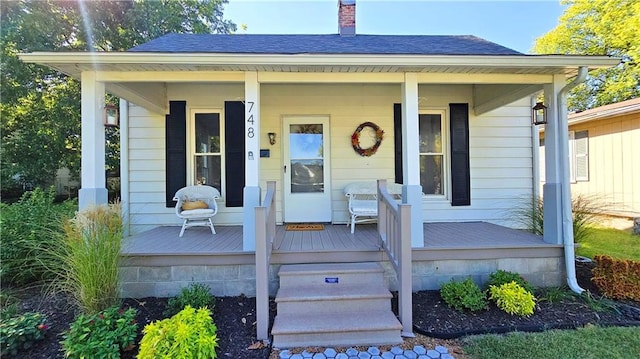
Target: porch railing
<point>265,234</point>
<point>394,229</point>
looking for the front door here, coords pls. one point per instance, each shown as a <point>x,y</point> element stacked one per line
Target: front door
<point>307,181</point>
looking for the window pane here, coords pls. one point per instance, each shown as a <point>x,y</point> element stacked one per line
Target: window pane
<point>431,174</point>
<point>430,134</point>
<point>208,171</point>
<point>307,176</point>
<point>207,133</point>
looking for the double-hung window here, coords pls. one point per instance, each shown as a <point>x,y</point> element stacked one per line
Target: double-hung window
<point>433,153</point>
<point>207,155</point>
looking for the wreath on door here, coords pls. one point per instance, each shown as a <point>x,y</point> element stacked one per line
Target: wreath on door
<point>355,139</point>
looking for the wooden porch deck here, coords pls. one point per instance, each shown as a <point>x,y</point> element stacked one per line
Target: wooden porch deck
<point>467,240</point>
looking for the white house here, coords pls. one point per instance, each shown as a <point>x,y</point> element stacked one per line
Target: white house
<point>458,135</point>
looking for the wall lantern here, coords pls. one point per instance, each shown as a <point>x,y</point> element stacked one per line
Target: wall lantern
<point>272,138</point>
<point>111,118</point>
<point>539,114</point>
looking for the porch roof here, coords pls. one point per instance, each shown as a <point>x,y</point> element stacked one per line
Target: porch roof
<point>465,54</point>
<point>324,44</point>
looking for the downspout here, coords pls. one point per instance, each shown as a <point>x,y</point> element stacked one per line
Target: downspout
<point>567,220</point>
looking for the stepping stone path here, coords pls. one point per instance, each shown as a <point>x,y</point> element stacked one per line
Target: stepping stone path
<point>418,352</point>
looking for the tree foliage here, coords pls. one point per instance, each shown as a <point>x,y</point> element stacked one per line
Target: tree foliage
<point>39,107</point>
<point>599,27</point>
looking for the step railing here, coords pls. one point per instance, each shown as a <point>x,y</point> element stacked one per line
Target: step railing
<point>265,235</point>
<point>394,230</point>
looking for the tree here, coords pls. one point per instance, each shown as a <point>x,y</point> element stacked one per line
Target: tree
<point>599,27</point>
<point>39,107</point>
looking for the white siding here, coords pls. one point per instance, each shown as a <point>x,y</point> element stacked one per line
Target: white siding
<point>500,154</point>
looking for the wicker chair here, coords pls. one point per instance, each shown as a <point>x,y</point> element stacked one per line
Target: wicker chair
<point>196,205</point>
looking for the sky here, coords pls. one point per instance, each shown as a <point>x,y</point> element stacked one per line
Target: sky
<point>511,23</point>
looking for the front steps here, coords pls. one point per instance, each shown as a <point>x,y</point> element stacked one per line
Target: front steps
<point>334,304</point>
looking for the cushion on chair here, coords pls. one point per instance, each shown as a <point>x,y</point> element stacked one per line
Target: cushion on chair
<point>189,205</point>
<point>196,213</point>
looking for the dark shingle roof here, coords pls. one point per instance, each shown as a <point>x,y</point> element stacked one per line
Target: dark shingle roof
<point>325,44</point>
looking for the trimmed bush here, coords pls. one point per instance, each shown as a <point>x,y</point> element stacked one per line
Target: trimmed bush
<point>513,299</point>
<point>501,277</point>
<point>101,335</point>
<point>463,295</point>
<point>196,295</point>
<point>189,334</point>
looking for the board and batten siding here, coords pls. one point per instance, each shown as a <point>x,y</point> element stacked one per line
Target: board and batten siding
<point>500,147</point>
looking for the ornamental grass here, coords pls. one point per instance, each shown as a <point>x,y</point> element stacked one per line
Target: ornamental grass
<point>86,259</point>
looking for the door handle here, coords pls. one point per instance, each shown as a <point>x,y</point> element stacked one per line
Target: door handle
<point>285,169</point>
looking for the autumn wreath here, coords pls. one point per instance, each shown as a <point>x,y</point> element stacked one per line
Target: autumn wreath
<point>355,139</point>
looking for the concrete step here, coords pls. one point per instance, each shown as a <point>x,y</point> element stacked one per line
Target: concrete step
<point>330,273</point>
<point>336,329</point>
<point>331,298</point>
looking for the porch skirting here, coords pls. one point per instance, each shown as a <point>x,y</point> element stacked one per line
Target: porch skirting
<point>237,279</point>
<point>157,263</point>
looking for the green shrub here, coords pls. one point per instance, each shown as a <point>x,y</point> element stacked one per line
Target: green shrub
<point>189,334</point>
<point>196,295</point>
<point>20,332</point>
<point>101,335</point>
<point>463,295</point>
<point>28,228</point>
<point>85,260</point>
<point>513,299</point>
<point>501,277</point>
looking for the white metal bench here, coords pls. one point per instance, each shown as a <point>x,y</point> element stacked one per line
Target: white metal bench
<point>363,203</point>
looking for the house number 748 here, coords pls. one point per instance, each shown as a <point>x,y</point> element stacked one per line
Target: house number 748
<point>250,129</point>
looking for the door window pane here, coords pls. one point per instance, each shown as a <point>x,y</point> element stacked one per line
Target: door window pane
<point>306,156</point>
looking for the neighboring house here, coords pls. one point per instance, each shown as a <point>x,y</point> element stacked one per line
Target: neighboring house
<point>604,150</point>
<point>458,136</point>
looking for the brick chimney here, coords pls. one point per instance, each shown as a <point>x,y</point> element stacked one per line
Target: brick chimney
<point>347,17</point>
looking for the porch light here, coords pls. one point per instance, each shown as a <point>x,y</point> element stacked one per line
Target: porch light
<point>539,114</point>
<point>272,138</point>
<point>111,118</point>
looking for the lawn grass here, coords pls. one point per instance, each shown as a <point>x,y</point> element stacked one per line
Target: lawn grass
<point>584,343</point>
<point>612,242</point>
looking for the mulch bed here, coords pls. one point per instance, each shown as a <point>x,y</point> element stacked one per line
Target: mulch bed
<point>235,318</point>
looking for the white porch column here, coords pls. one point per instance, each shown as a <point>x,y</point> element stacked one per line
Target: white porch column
<point>551,190</point>
<point>251,193</point>
<point>92,181</point>
<point>411,190</point>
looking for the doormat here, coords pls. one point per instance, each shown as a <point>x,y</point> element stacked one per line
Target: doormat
<point>305,227</point>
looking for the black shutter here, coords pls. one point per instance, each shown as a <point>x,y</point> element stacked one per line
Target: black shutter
<point>234,153</point>
<point>397,140</point>
<point>460,177</point>
<point>176,149</point>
